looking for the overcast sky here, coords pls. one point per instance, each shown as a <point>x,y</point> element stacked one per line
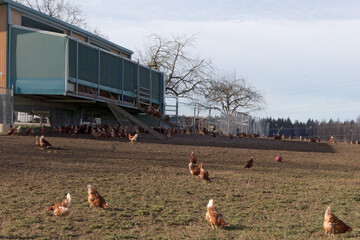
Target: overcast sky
<point>303,55</point>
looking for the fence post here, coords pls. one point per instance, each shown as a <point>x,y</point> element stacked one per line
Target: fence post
<point>177,111</point>
<point>209,118</point>
<point>194,122</point>
<point>12,105</point>
<point>122,79</point>
<point>228,123</point>
<point>77,67</point>
<point>138,84</point>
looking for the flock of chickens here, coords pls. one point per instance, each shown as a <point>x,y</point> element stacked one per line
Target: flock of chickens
<point>118,131</point>
<point>331,224</point>
<point>104,131</point>
<point>43,143</point>
<point>198,170</point>
<point>64,208</point>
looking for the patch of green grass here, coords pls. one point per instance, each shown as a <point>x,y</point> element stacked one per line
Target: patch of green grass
<point>67,228</point>
<point>127,225</point>
<point>161,238</point>
<point>95,226</point>
<point>144,212</point>
<point>121,236</point>
<point>155,208</point>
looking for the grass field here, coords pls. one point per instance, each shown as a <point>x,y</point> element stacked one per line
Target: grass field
<point>152,195</point>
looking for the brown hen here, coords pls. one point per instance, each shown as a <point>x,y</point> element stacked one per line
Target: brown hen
<point>61,208</point>
<point>249,163</point>
<point>213,216</point>
<point>204,175</point>
<point>44,143</point>
<point>194,170</point>
<point>132,138</point>
<point>334,225</point>
<point>95,199</point>
<point>37,141</point>
<point>193,159</point>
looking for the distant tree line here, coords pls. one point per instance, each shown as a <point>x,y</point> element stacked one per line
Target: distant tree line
<point>341,131</point>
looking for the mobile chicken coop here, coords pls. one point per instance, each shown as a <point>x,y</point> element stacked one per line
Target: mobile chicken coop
<point>69,74</point>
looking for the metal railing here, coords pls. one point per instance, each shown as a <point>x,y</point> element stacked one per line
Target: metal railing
<point>187,114</point>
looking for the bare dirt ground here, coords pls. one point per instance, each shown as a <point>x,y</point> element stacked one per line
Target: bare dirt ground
<point>152,195</point>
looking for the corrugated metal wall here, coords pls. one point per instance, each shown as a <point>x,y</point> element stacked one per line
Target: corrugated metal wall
<point>130,76</point>
<point>72,58</point>
<point>157,86</point>
<point>110,70</point>
<point>88,64</point>
<point>115,72</point>
<point>144,77</point>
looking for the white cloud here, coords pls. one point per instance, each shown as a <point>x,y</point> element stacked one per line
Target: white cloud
<point>306,52</point>
<point>220,10</point>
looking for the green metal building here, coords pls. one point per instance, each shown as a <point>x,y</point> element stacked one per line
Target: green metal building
<point>68,74</point>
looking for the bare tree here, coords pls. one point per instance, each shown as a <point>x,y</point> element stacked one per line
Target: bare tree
<point>231,93</point>
<point>186,73</point>
<point>66,11</point>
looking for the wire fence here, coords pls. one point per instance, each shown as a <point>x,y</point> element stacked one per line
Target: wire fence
<point>349,132</point>
<point>196,116</point>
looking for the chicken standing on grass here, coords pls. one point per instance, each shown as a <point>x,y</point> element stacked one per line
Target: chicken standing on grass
<point>61,208</point>
<point>213,216</point>
<point>37,141</point>
<point>249,163</point>
<point>44,143</point>
<point>95,199</point>
<point>11,131</point>
<point>29,131</point>
<point>334,225</point>
<point>194,170</point>
<point>204,175</point>
<point>193,159</point>
<point>132,138</point>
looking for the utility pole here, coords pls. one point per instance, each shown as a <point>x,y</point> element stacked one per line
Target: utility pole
<point>194,127</point>
<point>177,111</point>
<point>208,122</point>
